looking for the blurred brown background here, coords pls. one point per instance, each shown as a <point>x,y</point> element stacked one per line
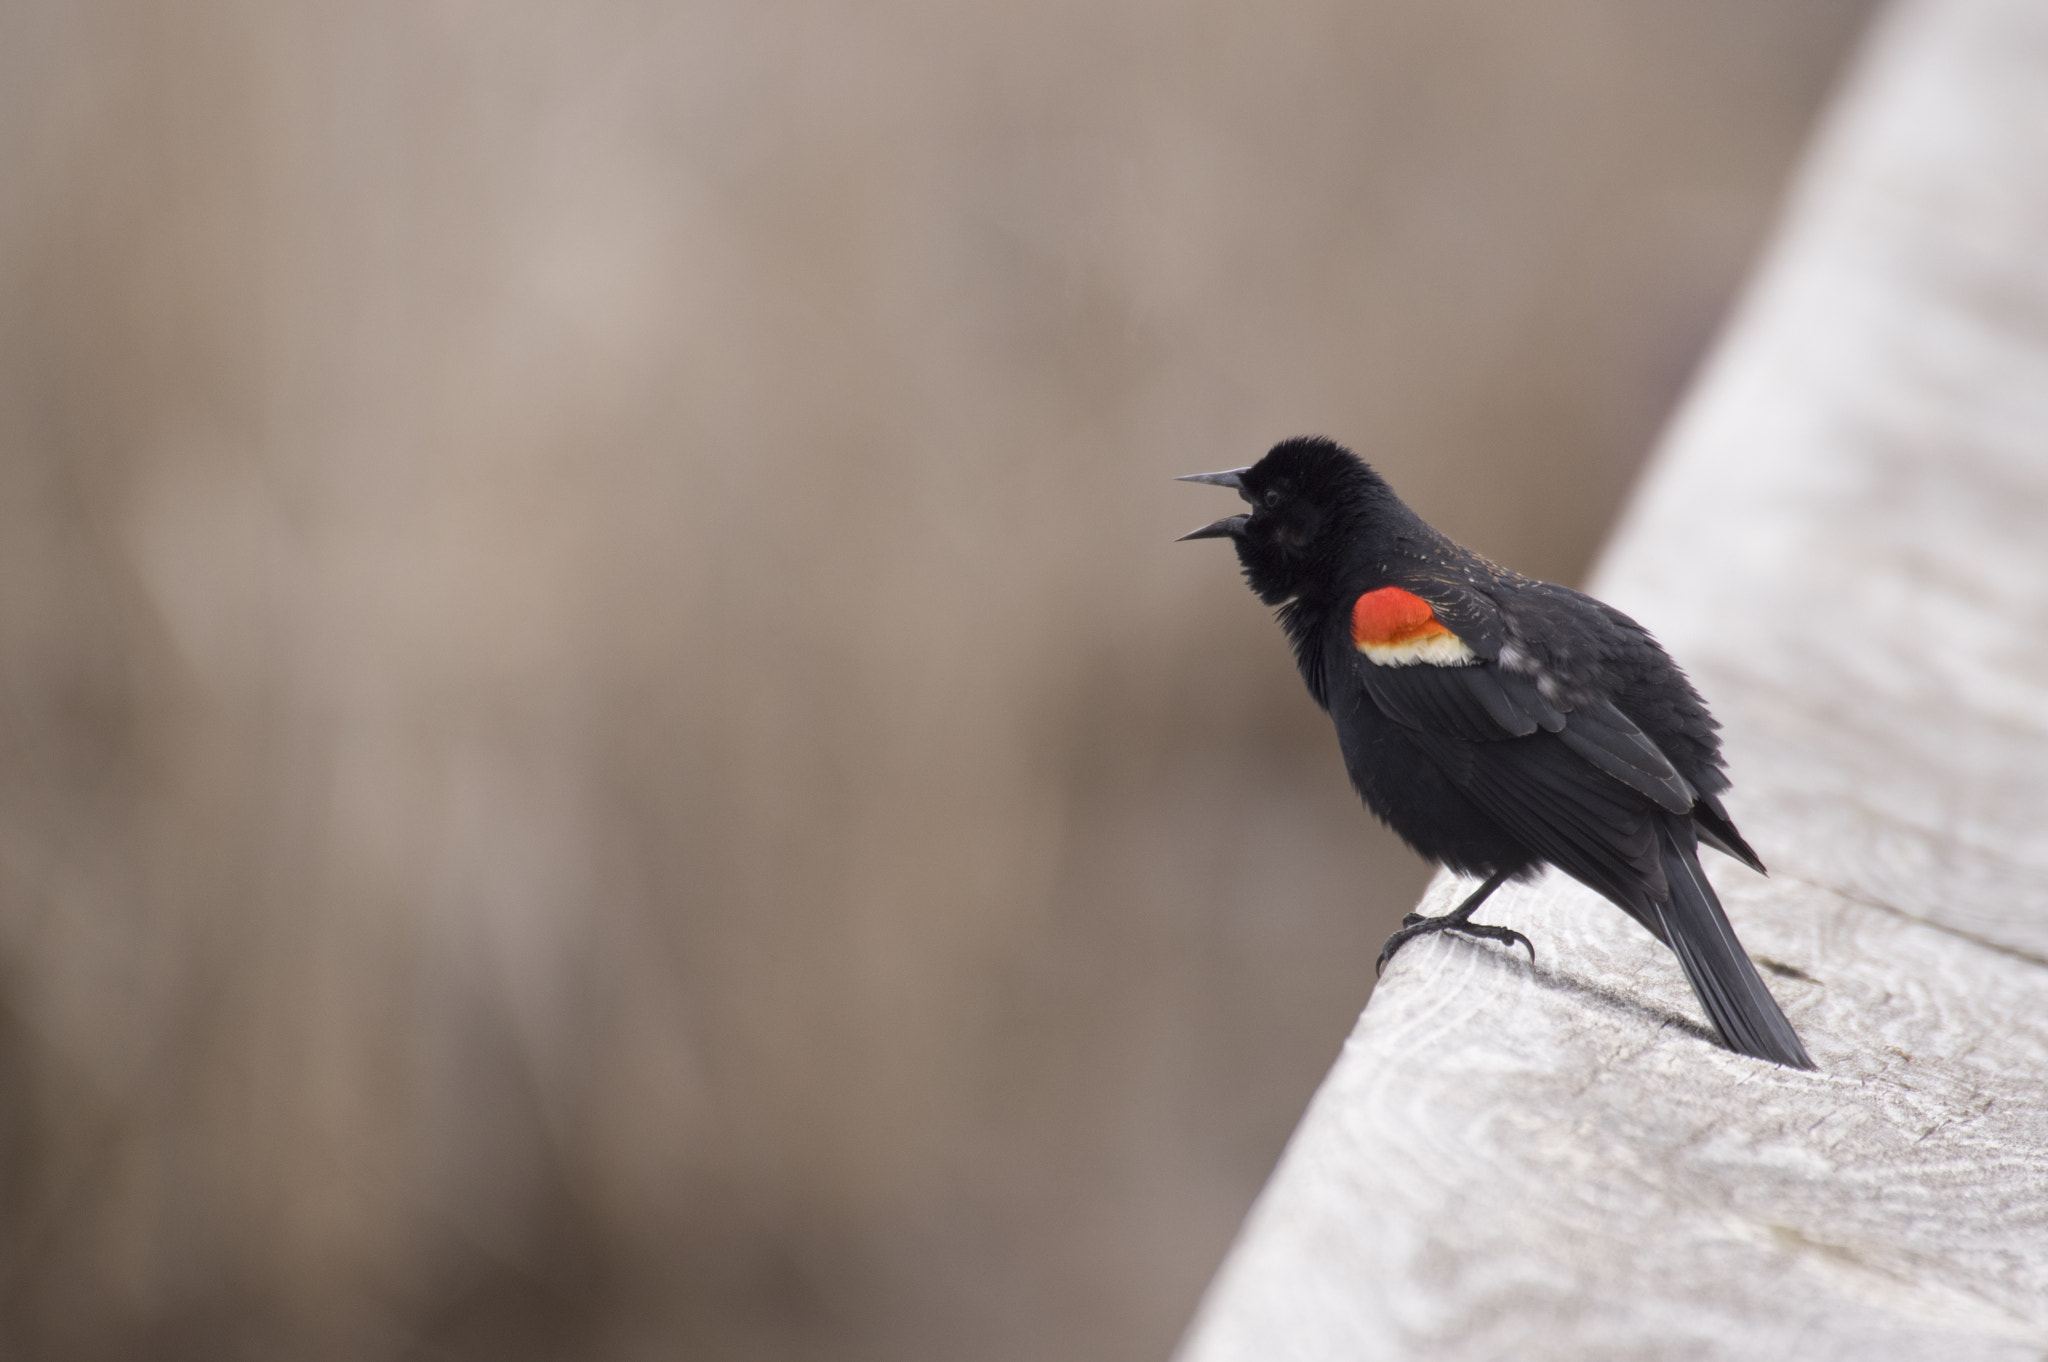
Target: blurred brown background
<point>604,751</point>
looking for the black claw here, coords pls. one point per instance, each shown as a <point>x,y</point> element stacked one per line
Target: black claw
<point>1457,920</point>
<point>1506,935</point>
<point>1415,925</point>
<point>1420,926</point>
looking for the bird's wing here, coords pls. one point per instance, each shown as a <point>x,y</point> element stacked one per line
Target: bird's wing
<point>1592,828</point>
<point>1563,770</point>
<point>1417,664</point>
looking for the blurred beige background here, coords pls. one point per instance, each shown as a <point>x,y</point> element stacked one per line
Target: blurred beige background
<point>604,751</point>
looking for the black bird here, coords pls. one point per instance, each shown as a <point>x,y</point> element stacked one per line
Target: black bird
<point>1497,722</point>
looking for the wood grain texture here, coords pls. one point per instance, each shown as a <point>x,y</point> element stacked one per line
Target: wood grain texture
<point>1845,539</point>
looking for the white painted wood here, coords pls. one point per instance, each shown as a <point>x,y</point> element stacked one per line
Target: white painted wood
<point>1845,539</point>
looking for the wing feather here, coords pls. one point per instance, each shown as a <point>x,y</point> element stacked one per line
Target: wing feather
<point>1610,740</point>
<point>1431,699</point>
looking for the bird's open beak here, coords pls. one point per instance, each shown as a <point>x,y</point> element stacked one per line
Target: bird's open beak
<point>1234,479</point>
<point>1231,526</point>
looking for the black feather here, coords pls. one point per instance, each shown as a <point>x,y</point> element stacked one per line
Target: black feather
<point>1728,986</point>
<point>1717,830</point>
<point>1607,738</point>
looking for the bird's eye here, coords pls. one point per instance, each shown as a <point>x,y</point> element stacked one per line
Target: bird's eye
<point>1272,497</point>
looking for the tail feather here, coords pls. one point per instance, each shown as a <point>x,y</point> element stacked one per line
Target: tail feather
<point>1711,822</point>
<point>1720,972</point>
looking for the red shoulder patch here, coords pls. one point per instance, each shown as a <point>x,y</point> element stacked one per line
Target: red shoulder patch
<point>1390,616</point>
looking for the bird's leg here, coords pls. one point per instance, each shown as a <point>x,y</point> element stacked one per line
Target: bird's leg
<point>1457,920</point>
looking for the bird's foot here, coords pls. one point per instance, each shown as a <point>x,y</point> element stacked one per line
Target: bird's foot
<point>1415,924</point>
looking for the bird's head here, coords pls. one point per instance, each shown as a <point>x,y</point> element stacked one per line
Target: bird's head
<point>1309,499</point>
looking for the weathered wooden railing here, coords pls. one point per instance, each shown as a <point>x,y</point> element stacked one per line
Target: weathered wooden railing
<point>1846,541</point>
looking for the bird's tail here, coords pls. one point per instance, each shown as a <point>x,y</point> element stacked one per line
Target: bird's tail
<point>1719,970</point>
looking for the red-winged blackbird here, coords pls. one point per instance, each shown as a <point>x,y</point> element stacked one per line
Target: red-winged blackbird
<point>1497,722</point>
